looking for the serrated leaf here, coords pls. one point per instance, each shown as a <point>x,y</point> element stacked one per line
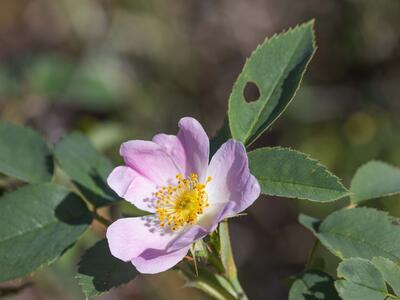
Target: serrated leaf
<point>288,173</point>
<point>37,224</point>
<point>99,271</point>
<point>313,284</point>
<point>361,281</point>
<point>390,272</point>
<point>276,67</point>
<point>375,179</point>
<point>87,168</point>
<point>359,232</point>
<point>24,154</point>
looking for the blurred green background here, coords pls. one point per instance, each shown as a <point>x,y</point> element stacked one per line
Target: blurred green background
<point>127,69</point>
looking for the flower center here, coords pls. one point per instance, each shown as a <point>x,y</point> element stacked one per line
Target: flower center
<point>181,204</point>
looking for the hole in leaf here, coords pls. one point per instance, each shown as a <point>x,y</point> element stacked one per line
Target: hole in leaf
<point>251,92</point>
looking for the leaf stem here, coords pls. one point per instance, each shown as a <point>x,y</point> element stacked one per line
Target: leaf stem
<point>312,253</point>
<point>92,207</point>
<point>317,242</point>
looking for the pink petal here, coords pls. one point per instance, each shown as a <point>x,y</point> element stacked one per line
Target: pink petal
<point>154,261</point>
<point>173,147</point>
<point>150,160</point>
<point>205,224</point>
<point>133,187</point>
<point>197,146</point>
<point>231,181</point>
<point>187,237</point>
<point>211,216</point>
<point>130,237</point>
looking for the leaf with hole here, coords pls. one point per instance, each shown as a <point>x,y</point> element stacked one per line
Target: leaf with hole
<point>313,284</point>
<point>37,224</point>
<point>24,154</point>
<point>99,271</point>
<point>273,71</point>
<point>375,179</point>
<point>361,280</point>
<point>288,173</point>
<point>358,232</point>
<point>87,168</point>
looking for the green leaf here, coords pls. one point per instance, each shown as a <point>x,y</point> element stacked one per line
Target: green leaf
<point>358,232</point>
<point>390,272</point>
<point>276,67</point>
<point>375,179</point>
<point>99,271</point>
<point>361,281</point>
<point>365,280</point>
<point>310,223</point>
<point>288,173</point>
<point>24,154</point>
<point>38,223</point>
<point>87,168</point>
<point>313,284</point>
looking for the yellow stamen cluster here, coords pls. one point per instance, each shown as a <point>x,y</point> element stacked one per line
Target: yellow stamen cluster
<point>180,204</point>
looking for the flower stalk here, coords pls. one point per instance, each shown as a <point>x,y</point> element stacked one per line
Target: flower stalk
<point>228,260</point>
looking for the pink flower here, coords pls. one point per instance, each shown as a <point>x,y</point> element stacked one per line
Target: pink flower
<point>170,177</point>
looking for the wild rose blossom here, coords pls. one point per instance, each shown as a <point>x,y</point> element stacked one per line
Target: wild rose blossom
<point>170,177</point>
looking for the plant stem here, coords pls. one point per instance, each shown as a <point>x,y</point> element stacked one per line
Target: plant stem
<point>101,219</point>
<point>310,259</point>
<point>92,207</point>
<point>228,260</point>
<point>238,288</point>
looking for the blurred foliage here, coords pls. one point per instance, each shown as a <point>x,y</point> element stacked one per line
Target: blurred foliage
<point>125,69</point>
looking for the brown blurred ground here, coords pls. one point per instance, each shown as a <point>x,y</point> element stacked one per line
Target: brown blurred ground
<point>125,69</point>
